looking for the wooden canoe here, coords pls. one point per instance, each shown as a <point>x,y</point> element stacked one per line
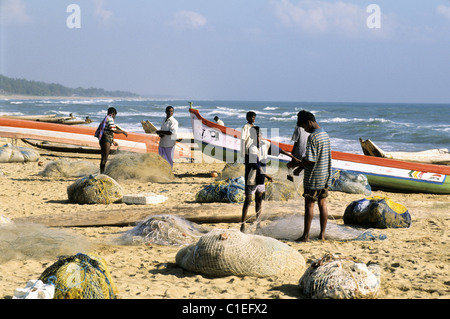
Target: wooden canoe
<point>433,156</point>
<point>51,118</point>
<point>83,136</point>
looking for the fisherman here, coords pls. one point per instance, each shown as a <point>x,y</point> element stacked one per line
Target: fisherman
<point>105,134</point>
<point>168,136</point>
<point>317,175</point>
<point>219,121</point>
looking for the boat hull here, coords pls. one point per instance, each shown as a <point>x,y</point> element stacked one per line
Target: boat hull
<point>83,136</point>
<point>223,144</point>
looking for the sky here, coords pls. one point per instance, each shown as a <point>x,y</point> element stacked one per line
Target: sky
<point>260,50</point>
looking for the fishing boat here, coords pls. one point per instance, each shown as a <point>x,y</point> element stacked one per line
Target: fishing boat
<point>439,156</point>
<point>64,148</point>
<point>223,143</point>
<point>51,118</point>
<point>83,136</point>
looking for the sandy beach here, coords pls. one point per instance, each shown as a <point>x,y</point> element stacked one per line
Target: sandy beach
<point>414,262</point>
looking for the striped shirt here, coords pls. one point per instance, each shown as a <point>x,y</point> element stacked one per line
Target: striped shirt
<point>110,125</point>
<point>318,150</point>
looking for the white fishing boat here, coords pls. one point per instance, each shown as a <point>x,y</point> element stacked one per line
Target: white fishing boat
<point>439,156</point>
<point>223,143</point>
<point>83,136</point>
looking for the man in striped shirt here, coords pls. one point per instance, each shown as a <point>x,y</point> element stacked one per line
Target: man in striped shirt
<point>317,176</point>
<point>105,134</point>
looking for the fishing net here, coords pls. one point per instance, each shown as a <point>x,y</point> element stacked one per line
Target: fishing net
<point>377,212</point>
<point>291,228</point>
<point>340,278</point>
<point>4,220</point>
<point>95,189</point>
<point>280,189</point>
<point>223,191</point>
<point>163,230</point>
<point>232,171</point>
<point>80,276</point>
<point>10,153</point>
<point>65,168</point>
<point>20,241</point>
<point>349,182</point>
<point>146,167</point>
<point>230,252</point>
<point>232,190</point>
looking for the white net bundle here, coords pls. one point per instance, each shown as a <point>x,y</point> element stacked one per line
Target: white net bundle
<point>291,228</point>
<point>146,167</point>
<point>340,278</point>
<point>66,168</point>
<point>225,252</point>
<point>10,153</point>
<point>163,230</point>
<point>95,189</point>
<point>20,241</point>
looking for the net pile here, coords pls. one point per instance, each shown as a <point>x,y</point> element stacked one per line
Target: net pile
<point>291,228</point>
<point>146,167</point>
<point>223,191</point>
<point>10,153</point>
<point>232,171</point>
<point>280,189</point>
<point>225,252</point>
<point>163,230</point>
<point>80,277</point>
<point>95,189</point>
<point>65,168</point>
<point>20,241</point>
<point>348,182</point>
<point>377,212</point>
<point>340,278</point>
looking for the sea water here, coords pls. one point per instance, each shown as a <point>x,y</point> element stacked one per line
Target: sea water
<point>393,127</point>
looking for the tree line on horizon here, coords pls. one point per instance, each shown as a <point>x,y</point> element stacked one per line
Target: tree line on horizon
<point>37,88</point>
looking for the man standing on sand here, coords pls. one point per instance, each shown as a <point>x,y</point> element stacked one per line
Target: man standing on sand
<point>168,136</point>
<point>105,134</point>
<point>317,175</point>
<point>246,140</point>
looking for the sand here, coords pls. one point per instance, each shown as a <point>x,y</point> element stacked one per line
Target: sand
<point>414,262</point>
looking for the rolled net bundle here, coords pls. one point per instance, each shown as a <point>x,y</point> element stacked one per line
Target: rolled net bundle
<point>223,191</point>
<point>95,189</point>
<point>147,167</point>
<point>81,276</point>
<point>291,228</point>
<point>349,182</point>
<point>65,168</point>
<point>377,212</point>
<point>10,153</point>
<point>340,278</point>
<point>225,252</point>
<point>19,241</point>
<point>163,230</point>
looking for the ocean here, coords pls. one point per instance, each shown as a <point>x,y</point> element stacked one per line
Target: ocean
<point>393,127</point>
